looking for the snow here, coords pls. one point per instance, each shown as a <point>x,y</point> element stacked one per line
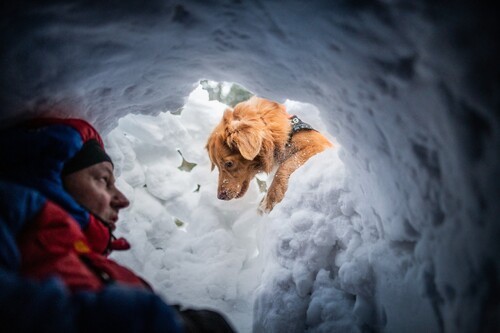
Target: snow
<point>395,230</point>
<point>201,251</point>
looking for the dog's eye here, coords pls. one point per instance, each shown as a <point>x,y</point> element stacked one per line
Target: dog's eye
<point>228,164</point>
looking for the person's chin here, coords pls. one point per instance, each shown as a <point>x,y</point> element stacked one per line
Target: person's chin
<point>112,222</point>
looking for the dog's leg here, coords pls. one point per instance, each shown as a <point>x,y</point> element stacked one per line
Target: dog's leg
<point>279,185</point>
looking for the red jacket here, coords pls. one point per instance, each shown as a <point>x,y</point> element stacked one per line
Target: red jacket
<point>54,244</point>
<point>64,240</point>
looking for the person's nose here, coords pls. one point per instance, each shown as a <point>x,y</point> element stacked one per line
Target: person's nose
<point>120,200</point>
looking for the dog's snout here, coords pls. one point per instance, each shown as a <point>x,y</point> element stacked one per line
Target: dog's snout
<point>223,195</point>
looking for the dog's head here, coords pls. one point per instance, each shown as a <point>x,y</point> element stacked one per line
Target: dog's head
<point>240,146</point>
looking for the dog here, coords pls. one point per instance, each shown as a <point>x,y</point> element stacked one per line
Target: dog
<point>258,136</point>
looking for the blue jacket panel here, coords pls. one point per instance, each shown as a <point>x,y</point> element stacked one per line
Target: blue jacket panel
<point>17,206</point>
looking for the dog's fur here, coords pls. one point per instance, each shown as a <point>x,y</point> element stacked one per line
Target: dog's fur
<point>255,137</point>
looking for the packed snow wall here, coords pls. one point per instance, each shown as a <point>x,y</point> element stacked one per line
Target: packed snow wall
<point>409,90</point>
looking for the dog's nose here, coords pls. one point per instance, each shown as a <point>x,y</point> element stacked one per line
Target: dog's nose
<point>222,195</point>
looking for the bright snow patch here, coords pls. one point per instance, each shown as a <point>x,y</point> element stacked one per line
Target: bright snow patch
<point>203,252</point>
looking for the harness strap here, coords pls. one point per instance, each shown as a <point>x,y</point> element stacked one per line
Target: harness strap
<point>298,125</point>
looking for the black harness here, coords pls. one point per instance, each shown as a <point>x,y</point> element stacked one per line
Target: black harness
<point>297,125</point>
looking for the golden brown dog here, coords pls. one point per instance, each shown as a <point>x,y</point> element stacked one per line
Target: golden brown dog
<point>257,136</point>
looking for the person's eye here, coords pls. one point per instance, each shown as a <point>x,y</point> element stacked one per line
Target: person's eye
<point>228,164</point>
<point>104,180</point>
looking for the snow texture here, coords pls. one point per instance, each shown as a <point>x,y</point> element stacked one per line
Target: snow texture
<point>394,230</point>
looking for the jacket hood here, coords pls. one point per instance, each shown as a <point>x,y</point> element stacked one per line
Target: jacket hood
<point>33,154</point>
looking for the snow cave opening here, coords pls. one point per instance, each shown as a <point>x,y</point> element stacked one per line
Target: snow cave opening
<point>195,248</point>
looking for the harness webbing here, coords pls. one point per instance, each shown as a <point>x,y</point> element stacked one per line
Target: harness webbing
<point>297,125</point>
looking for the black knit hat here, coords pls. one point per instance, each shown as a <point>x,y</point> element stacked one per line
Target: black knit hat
<point>90,154</point>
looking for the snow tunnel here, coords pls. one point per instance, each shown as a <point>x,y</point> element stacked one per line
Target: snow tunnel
<point>395,230</point>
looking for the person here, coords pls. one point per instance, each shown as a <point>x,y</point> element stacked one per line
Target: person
<point>58,209</point>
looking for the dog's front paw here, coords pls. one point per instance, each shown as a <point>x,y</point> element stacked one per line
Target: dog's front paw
<point>265,206</point>
<point>261,210</point>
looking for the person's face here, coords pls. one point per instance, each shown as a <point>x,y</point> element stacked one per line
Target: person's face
<point>94,188</point>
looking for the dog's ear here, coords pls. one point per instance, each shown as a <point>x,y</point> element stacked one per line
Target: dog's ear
<point>247,139</point>
<point>212,165</point>
<point>210,147</point>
